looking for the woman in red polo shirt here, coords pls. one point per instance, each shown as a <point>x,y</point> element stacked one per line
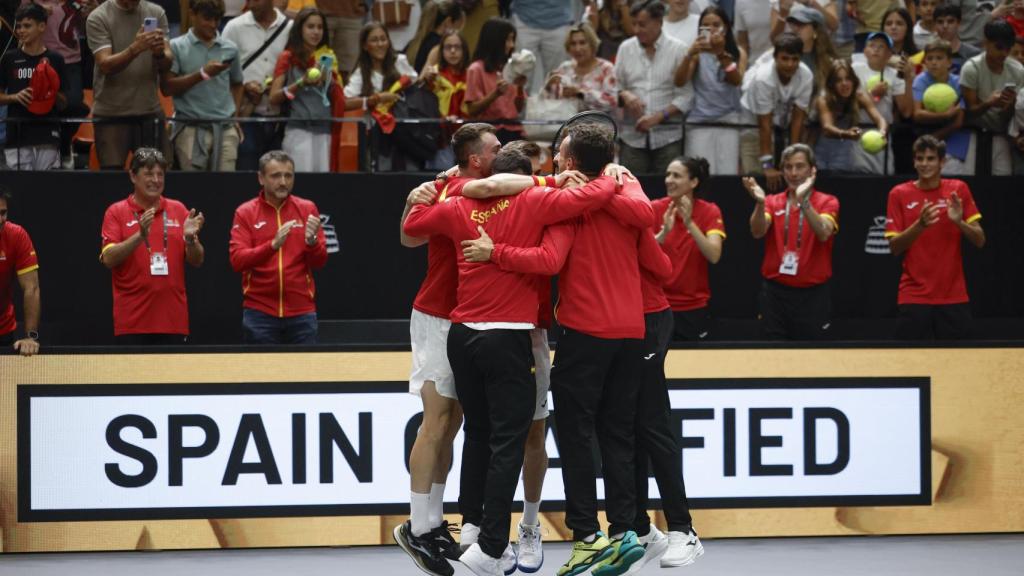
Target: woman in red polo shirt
<point>692,233</point>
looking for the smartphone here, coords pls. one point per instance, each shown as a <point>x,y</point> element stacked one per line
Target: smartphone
<point>149,24</point>
<point>228,60</point>
<point>705,33</point>
<point>1010,87</point>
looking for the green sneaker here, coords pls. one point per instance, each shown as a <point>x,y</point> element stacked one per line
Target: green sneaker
<point>586,554</point>
<point>626,552</point>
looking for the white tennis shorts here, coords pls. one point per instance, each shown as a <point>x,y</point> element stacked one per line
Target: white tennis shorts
<point>429,335</point>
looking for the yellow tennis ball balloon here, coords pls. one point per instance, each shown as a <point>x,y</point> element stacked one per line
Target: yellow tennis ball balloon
<point>874,81</point>
<point>872,141</point>
<point>940,97</point>
<point>313,74</point>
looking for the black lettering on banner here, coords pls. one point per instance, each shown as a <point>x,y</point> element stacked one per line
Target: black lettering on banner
<point>298,448</point>
<point>332,435</point>
<point>729,442</point>
<point>251,425</point>
<point>680,415</point>
<point>117,444</point>
<point>811,417</point>
<point>758,441</point>
<point>176,452</point>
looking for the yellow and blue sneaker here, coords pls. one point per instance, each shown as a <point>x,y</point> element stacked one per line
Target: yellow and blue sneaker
<point>626,552</point>
<point>585,555</point>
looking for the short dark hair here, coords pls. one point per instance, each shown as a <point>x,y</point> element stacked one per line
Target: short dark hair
<point>147,158</point>
<point>208,8</point>
<point>527,147</point>
<point>788,43</point>
<point>947,10</point>
<point>929,142</point>
<point>799,148</point>
<point>275,156</point>
<point>32,12</point>
<point>1000,33</point>
<point>466,141</point>
<point>510,161</point>
<point>592,146</point>
<point>939,45</point>
<point>654,8</point>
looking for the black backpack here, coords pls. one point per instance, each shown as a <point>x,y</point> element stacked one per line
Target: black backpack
<point>417,141</point>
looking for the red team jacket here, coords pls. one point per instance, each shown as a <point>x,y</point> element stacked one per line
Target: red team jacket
<point>17,257</point>
<point>487,293</point>
<point>276,282</point>
<point>436,296</point>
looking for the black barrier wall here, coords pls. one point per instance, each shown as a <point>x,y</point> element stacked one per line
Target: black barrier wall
<point>373,276</point>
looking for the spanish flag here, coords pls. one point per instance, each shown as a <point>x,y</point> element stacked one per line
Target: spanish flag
<point>382,113</point>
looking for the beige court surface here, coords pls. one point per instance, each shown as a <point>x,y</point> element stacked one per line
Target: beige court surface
<point>975,555</point>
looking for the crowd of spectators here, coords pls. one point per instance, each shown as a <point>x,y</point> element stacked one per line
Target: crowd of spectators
<point>737,80</point>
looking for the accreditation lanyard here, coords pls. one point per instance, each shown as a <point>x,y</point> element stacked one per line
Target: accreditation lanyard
<point>158,260</point>
<point>163,217</point>
<point>799,229</point>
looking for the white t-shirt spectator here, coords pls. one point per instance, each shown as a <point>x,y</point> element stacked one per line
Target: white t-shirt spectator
<point>922,37</point>
<point>684,30</point>
<point>764,93</point>
<point>897,86</point>
<point>249,36</point>
<point>755,18</point>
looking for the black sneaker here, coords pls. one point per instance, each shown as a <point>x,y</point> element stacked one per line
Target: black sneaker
<point>445,541</point>
<point>423,550</point>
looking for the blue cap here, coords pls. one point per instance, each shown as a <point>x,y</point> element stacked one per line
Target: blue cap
<point>883,36</point>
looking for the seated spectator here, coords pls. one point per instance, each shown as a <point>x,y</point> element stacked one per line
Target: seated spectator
<point>947,26</point>
<point>587,80</point>
<point>489,97</point>
<point>448,81</point>
<point>261,34</point>
<point>924,30</point>
<point>439,18</point>
<point>753,27</point>
<point>128,66</point>
<point>890,95</point>
<point>205,80</point>
<point>645,69</point>
<point>840,106</point>
<point>65,25</point>
<point>307,137</point>
<point>781,9</point>
<point>612,22</point>
<point>778,94</point>
<point>680,23</point>
<point>541,27</point>
<point>714,65</point>
<point>938,60</point>
<point>990,82</point>
<point>818,51</point>
<point>31,77</point>
<point>379,76</point>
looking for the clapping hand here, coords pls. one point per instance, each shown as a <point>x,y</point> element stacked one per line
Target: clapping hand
<point>929,214</point>
<point>282,234</point>
<point>803,191</point>
<point>955,208</point>
<point>685,209</point>
<point>755,190</point>
<point>313,225</point>
<point>193,223</point>
<point>145,221</point>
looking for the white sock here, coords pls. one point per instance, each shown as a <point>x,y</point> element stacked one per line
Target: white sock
<point>436,505</point>
<point>419,515</point>
<point>530,510</point>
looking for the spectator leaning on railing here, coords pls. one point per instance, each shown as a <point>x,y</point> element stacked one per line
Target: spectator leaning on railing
<point>261,34</point>
<point>30,81</point>
<point>205,80</point>
<point>841,106</point>
<point>944,125</point>
<point>128,39</point>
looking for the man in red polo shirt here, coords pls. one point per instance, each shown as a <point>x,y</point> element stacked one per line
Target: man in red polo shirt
<point>926,219</point>
<point>17,259</point>
<point>277,241</point>
<point>491,323</point>
<point>800,225</point>
<point>147,239</point>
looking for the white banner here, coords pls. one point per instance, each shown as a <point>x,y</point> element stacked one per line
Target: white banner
<point>204,451</point>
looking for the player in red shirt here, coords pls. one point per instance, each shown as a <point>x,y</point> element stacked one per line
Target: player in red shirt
<point>18,260</point>
<point>425,537</point>
<point>800,225</point>
<point>277,241</point>
<point>147,239</point>
<point>927,218</point>
<point>692,234</point>
<point>490,328</point>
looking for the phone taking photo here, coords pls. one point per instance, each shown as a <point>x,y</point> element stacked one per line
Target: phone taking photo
<point>149,24</point>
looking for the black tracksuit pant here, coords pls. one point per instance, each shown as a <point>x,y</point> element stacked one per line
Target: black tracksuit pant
<point>594,386</point>
<point>655,441</point>
<point>498,396</point>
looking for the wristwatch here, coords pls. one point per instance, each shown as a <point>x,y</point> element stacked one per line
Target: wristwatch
<point>33,335</point>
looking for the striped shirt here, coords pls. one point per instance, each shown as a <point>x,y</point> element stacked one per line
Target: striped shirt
<point>651,80</point>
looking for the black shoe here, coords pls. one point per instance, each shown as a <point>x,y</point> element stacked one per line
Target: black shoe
<point>423,550</point>
<point>445,541</point>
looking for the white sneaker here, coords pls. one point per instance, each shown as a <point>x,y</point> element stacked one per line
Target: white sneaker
<point>468,535</point>
<point>655,544</point>
<point>683,549</point>
<point>531,548</point>
<point>508,560</point>
<point>480,563</point>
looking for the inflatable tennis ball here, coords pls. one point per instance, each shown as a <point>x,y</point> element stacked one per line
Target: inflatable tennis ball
<point>313,74</point>
<point>940,97</point>
<point>874,81</point>
<point>872,141</point>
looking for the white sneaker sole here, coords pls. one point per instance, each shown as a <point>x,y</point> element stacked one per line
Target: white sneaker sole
<point>652,553</point>
<point>686,561</point>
